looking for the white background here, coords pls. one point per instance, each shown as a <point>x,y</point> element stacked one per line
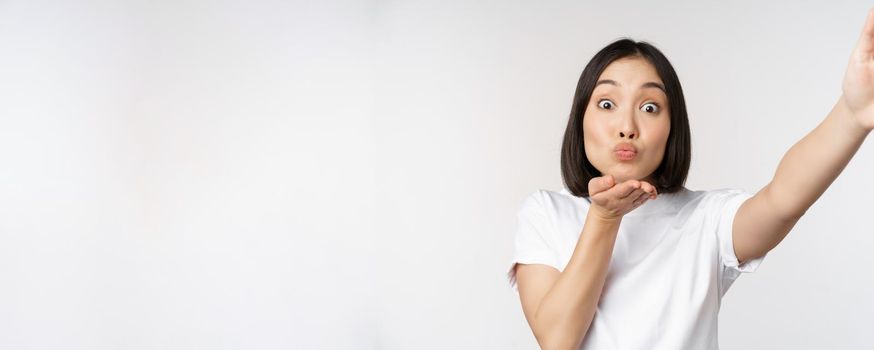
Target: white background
<point>345,175</point>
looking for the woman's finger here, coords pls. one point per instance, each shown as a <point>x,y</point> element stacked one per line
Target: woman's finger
<point>634,195</point>
<point>651,190</point>
<point>600,184</point>
<point>646,186</point>
<point>642,198</point>
<point>628,188</point>
<point>865,43</point>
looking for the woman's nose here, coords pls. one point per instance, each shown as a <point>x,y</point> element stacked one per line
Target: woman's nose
<point>628,126</point>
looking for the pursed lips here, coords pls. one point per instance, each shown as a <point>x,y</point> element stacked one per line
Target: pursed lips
<point>625,151</point>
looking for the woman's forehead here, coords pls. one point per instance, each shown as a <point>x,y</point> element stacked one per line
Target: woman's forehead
<point>630,70</point>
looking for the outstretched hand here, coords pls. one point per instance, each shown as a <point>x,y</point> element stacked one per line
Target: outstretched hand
<point>858,84</point>
<point>612,201</point>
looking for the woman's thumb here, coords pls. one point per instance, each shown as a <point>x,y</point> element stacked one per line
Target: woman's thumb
<point>607,181</point>
<point>601,184</point>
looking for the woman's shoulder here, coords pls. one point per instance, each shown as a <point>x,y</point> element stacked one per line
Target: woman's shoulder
<point>553,201</point>
<point>712,192</point>
<point>717,199</point>
<point>721,193</point>
<point>542,194</point>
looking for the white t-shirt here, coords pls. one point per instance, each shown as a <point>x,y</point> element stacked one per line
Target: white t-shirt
<point>672,262</point>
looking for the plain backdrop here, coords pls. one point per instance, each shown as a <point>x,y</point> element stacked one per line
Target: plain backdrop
<point>345,175</point>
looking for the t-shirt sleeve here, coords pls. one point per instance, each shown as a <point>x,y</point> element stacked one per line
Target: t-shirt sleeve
<point>725,205</point>
<point>532,242</point>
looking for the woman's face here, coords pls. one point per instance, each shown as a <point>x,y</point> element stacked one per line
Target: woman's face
<point>627,121</point>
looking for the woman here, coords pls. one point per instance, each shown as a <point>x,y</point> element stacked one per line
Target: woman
<point>656,281</point>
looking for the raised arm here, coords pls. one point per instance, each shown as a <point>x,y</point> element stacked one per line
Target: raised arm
<point>812,164</point>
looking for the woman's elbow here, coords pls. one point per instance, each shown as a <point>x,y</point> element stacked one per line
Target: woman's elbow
<point>558,341</point>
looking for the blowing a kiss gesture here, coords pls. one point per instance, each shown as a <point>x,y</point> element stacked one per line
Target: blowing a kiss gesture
<point>804,173</point>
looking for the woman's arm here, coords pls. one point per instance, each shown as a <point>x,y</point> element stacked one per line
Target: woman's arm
<point>560,307</point>
<point>561,315</point>
<point>812,164</point>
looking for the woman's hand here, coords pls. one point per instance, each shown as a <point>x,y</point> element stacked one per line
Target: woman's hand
<point>858,84</point>
<point>611,201</point>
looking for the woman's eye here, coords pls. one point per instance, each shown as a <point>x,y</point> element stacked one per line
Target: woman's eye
<point>605,104</point>
<point>650,108</point>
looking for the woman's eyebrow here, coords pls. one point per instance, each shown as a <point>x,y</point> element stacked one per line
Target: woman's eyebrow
<point>650,84</point>
<point>653,84</point>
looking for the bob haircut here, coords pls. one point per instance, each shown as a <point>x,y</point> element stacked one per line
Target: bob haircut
<point>670,176</point>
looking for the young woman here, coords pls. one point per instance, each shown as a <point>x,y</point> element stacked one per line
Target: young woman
<point>625,257</point>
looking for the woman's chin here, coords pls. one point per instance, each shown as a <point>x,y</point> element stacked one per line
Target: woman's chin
<point>623,173</point>
<point>621,177</point>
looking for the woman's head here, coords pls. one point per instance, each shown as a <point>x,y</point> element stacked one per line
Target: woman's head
<point>628,120</point>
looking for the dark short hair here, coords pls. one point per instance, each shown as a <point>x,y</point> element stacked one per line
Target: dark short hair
<point>669,177</point>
